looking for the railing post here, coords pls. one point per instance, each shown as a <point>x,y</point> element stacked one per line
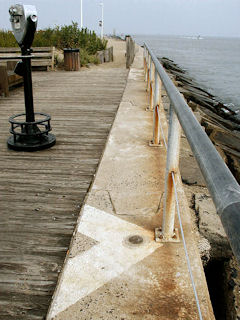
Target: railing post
<point>145,63</point>
<point>147,67</point>
<point>169,233</point>
<point>157,102</point>
<point>148,72</point>
<point>151,87</point>
<point>150,83</point>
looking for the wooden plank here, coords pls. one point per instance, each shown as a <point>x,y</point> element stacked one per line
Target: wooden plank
<point>41,62</point>
<point>4,80</point>
<point>17,49</point>
<point>9,49</point>
<point>43,49</point>
<point>42,55</point>
<point>42,192</point>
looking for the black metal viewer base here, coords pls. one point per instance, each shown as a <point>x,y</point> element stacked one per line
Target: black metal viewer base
<point>29,134</point>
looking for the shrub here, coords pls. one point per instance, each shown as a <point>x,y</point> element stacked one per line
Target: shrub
<point>67,36</point>
<point>7,39</point>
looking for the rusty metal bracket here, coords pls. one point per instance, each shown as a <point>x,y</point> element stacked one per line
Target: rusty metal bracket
<point>159,237</point>
<point>154,145</point>
<point>149,109</point>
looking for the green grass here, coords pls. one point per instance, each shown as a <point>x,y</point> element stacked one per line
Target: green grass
<point>67,36</point>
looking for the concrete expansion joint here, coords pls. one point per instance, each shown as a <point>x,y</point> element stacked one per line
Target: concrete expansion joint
<point>128,101</point>
<point>112,203</point>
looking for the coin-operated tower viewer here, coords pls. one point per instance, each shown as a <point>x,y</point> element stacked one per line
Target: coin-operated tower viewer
<point>30,131</point>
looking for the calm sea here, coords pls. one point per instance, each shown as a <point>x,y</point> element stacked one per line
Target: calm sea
<point>213,62</point>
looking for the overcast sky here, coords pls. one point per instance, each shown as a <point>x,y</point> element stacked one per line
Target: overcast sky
<point>176,17</point>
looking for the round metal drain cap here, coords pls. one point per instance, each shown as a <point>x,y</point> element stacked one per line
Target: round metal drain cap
<point>134,240</point>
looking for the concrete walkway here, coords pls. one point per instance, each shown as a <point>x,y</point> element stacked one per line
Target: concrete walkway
<point>115,269</point>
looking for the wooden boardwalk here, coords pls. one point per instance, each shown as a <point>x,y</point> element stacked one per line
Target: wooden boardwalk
<point>41,193</point>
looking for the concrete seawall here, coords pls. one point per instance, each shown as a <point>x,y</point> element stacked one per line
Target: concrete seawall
<point>114,268</point>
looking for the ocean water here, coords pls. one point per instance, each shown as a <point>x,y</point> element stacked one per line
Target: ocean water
<point>213,62</point>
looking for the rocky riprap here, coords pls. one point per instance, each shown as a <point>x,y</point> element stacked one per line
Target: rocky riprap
<point>221,121</point>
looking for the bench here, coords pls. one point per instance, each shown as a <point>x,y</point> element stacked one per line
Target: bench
<point>8,79</point>
<point>43,56</point>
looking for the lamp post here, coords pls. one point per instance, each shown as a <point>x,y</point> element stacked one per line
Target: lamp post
<point>102,24</point>
<point>81,25</point>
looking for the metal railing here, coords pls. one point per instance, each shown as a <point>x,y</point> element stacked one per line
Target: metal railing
<point>224,189</point>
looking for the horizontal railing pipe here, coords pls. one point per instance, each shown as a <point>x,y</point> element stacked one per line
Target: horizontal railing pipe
<point>223,187</point>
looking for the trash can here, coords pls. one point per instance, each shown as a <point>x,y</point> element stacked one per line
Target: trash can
<point>71,59</point>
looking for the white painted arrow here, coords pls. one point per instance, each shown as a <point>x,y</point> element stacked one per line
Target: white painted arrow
<point>90,270</point>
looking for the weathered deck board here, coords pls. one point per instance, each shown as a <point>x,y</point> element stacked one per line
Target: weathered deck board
<point>41,193</point>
